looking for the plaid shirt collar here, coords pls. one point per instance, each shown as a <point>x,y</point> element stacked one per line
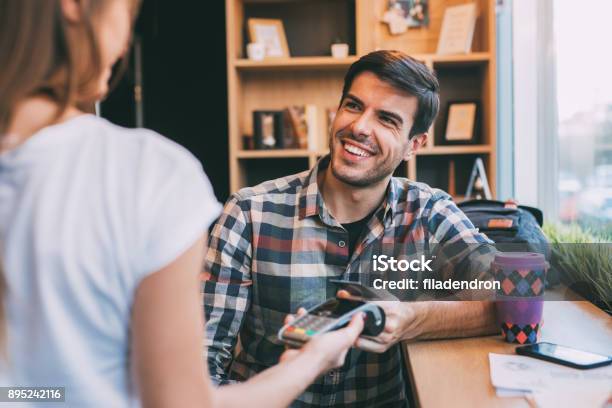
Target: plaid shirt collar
<point>311,200</point>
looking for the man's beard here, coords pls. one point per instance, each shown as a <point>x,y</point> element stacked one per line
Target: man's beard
<point>364,179</point>
<point>370,178</point>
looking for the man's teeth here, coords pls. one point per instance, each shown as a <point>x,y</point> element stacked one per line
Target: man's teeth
<point>356,151</point>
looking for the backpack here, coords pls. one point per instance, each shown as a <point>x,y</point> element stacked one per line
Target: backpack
<point>513,227</point>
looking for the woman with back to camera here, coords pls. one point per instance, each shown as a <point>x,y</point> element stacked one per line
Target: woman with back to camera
<point>102,231</point>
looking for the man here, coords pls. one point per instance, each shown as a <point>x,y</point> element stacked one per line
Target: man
<point>277,245</point>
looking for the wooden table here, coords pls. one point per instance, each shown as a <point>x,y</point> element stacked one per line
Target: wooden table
<point>455,373</point>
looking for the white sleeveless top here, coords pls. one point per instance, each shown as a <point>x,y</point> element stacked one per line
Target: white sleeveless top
<point>87,210</point>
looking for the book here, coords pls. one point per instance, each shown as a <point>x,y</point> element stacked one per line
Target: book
<point>330,114</point>
<point>311,123</point>
<point>304,124</point>
<point>299,125</point>
<point>288,139</point>
<point>457,29</point>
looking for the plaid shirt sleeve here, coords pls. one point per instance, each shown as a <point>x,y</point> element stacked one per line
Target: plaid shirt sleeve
<point>226,287</point>
<point>462,252</point>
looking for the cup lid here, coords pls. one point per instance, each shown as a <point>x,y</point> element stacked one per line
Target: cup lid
<point>520,259</point>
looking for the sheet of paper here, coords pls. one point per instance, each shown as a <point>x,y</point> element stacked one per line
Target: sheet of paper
<point>593,397</point>
<point>529,374</point>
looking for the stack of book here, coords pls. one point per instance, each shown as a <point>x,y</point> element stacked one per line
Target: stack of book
<point>294,127</point>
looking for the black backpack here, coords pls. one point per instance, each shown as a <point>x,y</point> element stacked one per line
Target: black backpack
<point>513,227</point>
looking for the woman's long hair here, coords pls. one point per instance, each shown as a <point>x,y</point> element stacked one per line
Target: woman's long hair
<point>38,57</point>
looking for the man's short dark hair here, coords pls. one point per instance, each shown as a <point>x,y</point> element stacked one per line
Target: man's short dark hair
<point>403,73</point>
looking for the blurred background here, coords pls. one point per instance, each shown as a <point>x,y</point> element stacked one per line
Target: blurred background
<point>184,80</point>
<point>554,98</point>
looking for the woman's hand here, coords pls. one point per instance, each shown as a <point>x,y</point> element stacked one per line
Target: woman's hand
<point>329,349</point>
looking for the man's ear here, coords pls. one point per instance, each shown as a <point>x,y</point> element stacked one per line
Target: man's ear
<point>414,144</point>
<point>72,10</point>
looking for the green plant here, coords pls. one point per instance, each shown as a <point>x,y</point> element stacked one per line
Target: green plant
<point>596,226</point>
<point>584,260</point>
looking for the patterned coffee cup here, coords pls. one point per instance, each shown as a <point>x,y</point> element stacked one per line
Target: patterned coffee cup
<point>520,299</point>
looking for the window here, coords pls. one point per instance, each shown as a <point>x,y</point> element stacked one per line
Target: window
<point>562,110</point>
<point>584,105</point>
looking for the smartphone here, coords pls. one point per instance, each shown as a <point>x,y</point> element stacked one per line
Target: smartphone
<point>564,355</point>
<point>331,315</point>
<point>357,289</point>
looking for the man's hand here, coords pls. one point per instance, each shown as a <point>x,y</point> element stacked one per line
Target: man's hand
<point>429,320</point>
<point>401,323</point>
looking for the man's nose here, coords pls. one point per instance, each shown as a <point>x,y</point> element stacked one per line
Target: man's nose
<point>362,126</point>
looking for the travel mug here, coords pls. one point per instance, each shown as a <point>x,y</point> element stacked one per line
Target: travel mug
<point>520,299</point>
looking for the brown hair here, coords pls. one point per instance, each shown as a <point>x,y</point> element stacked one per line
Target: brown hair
<point>38,57</point>
<point>403,73</point>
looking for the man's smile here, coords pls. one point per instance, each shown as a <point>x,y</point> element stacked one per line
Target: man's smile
<point>356,151</point>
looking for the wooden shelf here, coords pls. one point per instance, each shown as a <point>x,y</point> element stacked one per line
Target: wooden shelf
<point>294,63</point>
<point>242,64</point>
<point>474,58</point>
<point>465,149</point>
<point>272,153</point>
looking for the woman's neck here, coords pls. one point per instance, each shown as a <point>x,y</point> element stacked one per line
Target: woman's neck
<point>30,116</point>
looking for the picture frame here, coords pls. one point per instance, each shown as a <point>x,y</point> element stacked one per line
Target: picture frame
<point>271,33</point>
<point>462,124</point>
<point>404,14</point>
<point>267,129</point>
<point>457,30</point>
<point>416,12</point>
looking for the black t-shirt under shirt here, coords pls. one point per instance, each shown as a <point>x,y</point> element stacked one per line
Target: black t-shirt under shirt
<point>355,229</point>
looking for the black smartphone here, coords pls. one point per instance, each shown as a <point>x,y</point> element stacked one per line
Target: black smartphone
<point>564,355</point>
<point>359,290</point>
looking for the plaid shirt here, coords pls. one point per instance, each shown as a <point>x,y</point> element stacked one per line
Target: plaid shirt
<point>275,248</point>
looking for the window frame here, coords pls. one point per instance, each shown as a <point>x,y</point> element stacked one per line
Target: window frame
<point>534,87</point>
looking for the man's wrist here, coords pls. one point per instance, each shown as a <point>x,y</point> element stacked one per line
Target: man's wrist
<point>416,319</point>
<point>435,320</point>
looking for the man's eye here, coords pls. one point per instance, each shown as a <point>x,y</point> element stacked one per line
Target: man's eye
<point>351,105</point>
<point>387,120</point>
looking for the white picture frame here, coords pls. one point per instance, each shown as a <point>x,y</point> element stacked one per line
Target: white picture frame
<point>461,121</point>
<point>457,30</point>
<point>270,33</point>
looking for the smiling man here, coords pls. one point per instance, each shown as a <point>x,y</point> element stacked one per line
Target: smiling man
<point>277,245</point>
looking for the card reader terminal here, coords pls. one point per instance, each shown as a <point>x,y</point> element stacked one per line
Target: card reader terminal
<point>331,315</point>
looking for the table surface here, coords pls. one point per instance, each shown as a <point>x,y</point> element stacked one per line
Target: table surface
<point>455,372</point>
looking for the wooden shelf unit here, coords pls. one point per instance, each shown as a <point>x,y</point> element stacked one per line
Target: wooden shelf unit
<point>317,79</point>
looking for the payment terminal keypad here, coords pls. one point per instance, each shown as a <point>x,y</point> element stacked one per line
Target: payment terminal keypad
<point>308,326</point>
